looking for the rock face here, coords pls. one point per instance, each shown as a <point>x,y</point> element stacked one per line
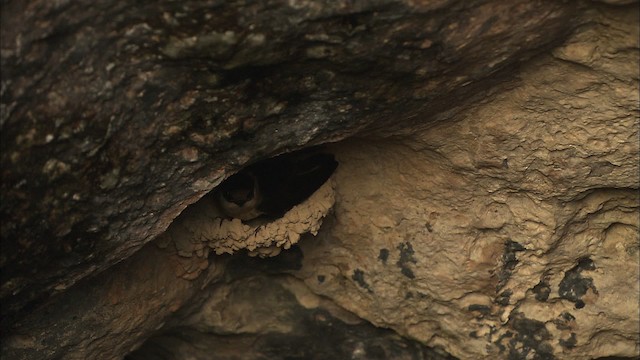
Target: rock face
<point>508,223</point>
<point>486,203</point>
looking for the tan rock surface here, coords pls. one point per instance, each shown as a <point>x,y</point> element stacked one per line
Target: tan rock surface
<point>452,234</point>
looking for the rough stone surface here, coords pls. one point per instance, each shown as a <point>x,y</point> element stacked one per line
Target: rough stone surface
<point>467,220</point>
<point>486,201</point>
<point>291,323</point>
<point>116,117</point>
<point>110,315</point>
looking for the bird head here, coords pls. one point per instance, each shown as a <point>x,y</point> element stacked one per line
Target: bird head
<point>238,189</point>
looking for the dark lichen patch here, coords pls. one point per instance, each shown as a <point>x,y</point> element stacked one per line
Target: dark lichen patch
<point>574,286</point>
<point>383,256</point>
<point>482,309</point>
<point>569,343</point>
<point>567,316</point>
<point>358,277</point>
<point>407,272</point>
<point>506,335</point>
<point>429,227</point>
<point>512,246</point>
<point>585,263</point>
<point>406,258</point>
<point>542,291</point>
<point>509,262</point>
<point>565,321</point>
<point>503,298</point>
<point>529,340</point>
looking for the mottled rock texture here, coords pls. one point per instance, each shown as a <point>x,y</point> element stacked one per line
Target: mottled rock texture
<point>486,201</point>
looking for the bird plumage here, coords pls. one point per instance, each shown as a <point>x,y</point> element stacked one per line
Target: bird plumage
<point>238,196</point>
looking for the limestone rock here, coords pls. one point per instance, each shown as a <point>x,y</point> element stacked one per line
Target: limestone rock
<point>485,206</point>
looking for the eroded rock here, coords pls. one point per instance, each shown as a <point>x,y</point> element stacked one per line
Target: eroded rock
<point>503,225</point>
<point>486,204</point>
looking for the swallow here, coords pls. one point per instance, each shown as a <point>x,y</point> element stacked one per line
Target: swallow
<point>271,187</point>
<point>239,196</point>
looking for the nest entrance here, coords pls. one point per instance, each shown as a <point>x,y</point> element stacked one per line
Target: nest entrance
<point>207,225</point>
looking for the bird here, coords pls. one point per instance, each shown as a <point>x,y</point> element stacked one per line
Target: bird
<point>239,197</point>
<point>271,187</point>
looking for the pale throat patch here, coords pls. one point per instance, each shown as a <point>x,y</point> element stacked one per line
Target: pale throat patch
<point>247,211</point>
